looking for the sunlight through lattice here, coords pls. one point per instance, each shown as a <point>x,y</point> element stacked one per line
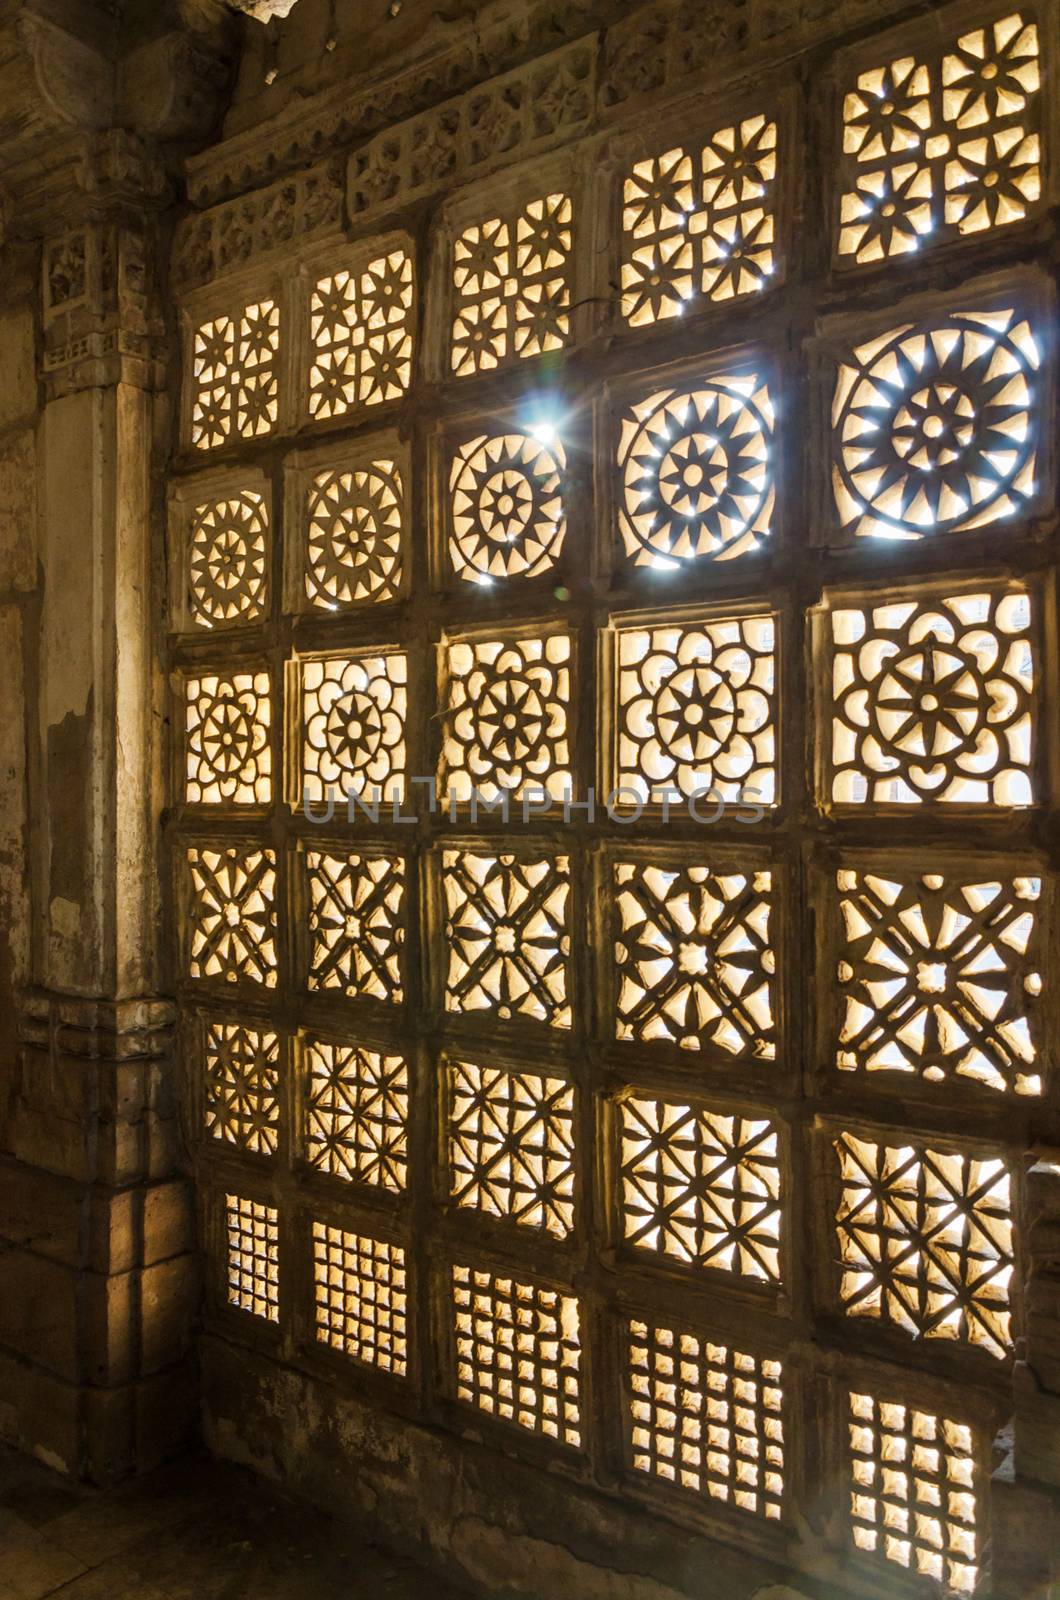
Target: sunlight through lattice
<point>925,1241</point>
<point>942,144</point>
<point>707,1418</point>
<point>508,936</point>
<point>512,285</point>
<point>235,376</point>
<point>933,701</point>
<point>253,1259</point>
<point>913,1490</point>
<point>939,976</point>
<point>518,1352</point>
<point>241,1081</point>
<point>361,1297</point>
<point>697,471</point>
<point>700,221</point>
<point>693,958</point>
<point>700,1186</point>
<point>936,426</point>
<point>511,1145</point>
<point>360,328</point>
<point>356,1113</point>
<point>228,756</point>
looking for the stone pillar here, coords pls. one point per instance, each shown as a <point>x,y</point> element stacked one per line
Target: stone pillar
<point>99,1271</point>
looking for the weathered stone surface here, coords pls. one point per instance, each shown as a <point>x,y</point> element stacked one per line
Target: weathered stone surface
<point>18,510</point>
<point>18,363</point>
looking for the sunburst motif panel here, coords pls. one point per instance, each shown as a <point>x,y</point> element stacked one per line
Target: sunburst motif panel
<point>696,469</point>
<point>936,426</point>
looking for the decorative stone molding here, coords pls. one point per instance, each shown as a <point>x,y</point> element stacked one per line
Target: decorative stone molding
<point>295,210</point>
<point>97,1030</point>
<point>520,114</point>
<point>98,321</point>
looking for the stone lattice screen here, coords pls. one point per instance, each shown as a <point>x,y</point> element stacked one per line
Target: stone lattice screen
<point>677,1143</point>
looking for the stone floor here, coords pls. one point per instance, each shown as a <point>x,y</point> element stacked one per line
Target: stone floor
<point>200,1530</point>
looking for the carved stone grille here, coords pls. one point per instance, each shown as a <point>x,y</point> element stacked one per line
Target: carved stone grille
<point>614,783</point>
<point>939,143</point>
<point>914,1483</point>
<point>511,1145</point>
<point>696,710</point>
<point>507,718</point>
<point>356,924</point>
<point>253,1281</point>
<point>700,1186</point>
<point>241,1076</point>
<point>511,285</point>
<point>508,937</point>
<point>235,360</point>
<point>925,1240</point>
<point>518,1352</point>
<point>940,976</point>
<point>700,221</point>
<point>361,1298</point>
<point>933,701</point>
<point>360,332</point>
<point>707,1418</point>
<point>693,960</point>
<point>355,519</point>
<point>229,560</point>
<point>353,721</point>
<point>697,471</point>
<point>932,426</point>
<point>506,513</point>
<point>356,1113</point>
<point>227,723</point>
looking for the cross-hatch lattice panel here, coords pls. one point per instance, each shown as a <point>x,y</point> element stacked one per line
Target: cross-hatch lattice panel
<point>539,1105</point>
<point>707,1418</point>
<point>913,1489</point>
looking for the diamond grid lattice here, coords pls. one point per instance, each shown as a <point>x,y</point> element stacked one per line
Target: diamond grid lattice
<point>511,1145</point>
<point>925,1241</point>
<point>700,1186</point>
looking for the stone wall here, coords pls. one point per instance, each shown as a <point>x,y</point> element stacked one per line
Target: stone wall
<point>356,133</point>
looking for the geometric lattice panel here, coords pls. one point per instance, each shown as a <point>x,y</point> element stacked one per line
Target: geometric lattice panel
<point>938,145</point>
<point>253,1257</point>
<point>226,724</point>
<point>356,924</point>
<point>235,376</point>
<point>939,976</point>
<point>356,1113</point>
<point>696,709</point>
<point>700,1187</point>
<point>354,519</point>
<point>353,725</point>
<point>925,1241</point>
<point>936,426</point>
<point>506,516</point>
<point>693,958</point>
<point>229,540</point>
<point>699,221</point>
<point>932,700</point>
<point>360,332</point>
<point>511,285</point>
<point>696,470</point>
<point>507,723</point>
<point>232,918</point>
<point>507,932</point>
<point>241,1080</point>
<point>913,1490</point>
<point>707,1418</point>
<point>360,1297</point>
<point>511,1145</point>
<point>518,1352</point>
